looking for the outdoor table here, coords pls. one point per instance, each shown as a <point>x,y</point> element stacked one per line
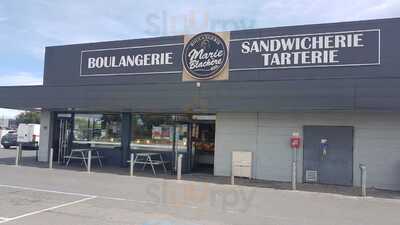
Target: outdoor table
<point>81,154</point>
<point>145,158</point>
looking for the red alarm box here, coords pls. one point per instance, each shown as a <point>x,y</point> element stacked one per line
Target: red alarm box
<point>295,142</point>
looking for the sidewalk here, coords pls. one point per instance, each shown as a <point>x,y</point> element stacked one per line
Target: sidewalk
<point>7,157</point>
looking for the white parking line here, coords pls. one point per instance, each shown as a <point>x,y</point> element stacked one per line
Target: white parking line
<point>99,197</point>
<point>89,197</point>
<point>44,190</point>
<point>47,209</point>
<point>85,198</point>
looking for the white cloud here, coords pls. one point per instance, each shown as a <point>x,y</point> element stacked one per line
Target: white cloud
<point>9,113</point>
<point>20,78</point>
<point>64,22</point>
<point>295,12</point>
<point>29,27</point>
<point>381,9</point>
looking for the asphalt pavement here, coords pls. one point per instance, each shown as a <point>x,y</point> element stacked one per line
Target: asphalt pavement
<point>32,194</point>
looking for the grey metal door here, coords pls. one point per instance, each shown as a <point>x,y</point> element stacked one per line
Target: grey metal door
<point>328,154</point>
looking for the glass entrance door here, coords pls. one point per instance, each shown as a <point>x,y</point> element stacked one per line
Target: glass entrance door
<point>203,146</point>
<point>63,135</point>
<point>181,145</point>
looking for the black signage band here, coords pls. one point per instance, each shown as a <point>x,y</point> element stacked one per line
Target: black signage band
<point>136,60</point>
<point>329,49</point>
<point>205,55</point>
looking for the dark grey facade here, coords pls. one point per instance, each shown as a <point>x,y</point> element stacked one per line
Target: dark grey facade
<point>366,87</point>
<point>354,83</point>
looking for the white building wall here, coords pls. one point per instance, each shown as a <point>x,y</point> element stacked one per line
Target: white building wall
<point>376,143</point>
<point>230,127</point>
<point>45,136</point>
<point>4,123</point>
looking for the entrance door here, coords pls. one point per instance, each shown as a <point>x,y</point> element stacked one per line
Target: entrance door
<point>203,146</point>
<point>62,141</point>
<point>180,144</point>
<point>328,154</point>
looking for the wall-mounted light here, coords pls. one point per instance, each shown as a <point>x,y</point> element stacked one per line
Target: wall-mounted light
<point>198,84</point>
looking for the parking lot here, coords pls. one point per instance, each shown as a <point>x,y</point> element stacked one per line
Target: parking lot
<point>33,194</point>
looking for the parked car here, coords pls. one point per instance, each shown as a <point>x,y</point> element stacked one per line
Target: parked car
<point>3,132</point>
<point>28,136</point>
<point>9,139</point>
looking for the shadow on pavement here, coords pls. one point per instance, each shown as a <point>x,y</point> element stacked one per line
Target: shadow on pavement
<point>7,157</point>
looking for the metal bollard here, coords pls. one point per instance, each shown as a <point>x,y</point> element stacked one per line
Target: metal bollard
<point>233,174</point>
<point>363,180</point>
<point>18,156</point>
<point>89,164</point>
<point>294,174</point>
<point>51,158</point>
<point>179,172</point>
<point>131,164</point>
<point>294,169</point>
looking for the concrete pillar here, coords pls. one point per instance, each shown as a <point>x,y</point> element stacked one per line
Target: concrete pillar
<point>45,136</point>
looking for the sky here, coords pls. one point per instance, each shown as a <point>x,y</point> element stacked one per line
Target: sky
<point>28,26</point>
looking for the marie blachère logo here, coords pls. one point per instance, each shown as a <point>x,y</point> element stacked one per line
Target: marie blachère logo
<point>205,56</point>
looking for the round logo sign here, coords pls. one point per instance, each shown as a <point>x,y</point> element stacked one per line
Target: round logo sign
<point>205,56</point>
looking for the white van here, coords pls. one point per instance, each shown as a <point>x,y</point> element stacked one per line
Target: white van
<point>28,135</point>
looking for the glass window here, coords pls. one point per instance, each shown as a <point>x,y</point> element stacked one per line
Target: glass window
<point>155,132</point>
<point>100,129</point>
<point>181,137</point>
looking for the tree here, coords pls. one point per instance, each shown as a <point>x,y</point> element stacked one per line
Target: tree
<point>28,117</point>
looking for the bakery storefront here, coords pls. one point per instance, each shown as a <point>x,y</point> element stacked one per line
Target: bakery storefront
<point>208,94</point>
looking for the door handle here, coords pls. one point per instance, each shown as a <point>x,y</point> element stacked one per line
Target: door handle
<point>324,147</point>
<point>324,153</point>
